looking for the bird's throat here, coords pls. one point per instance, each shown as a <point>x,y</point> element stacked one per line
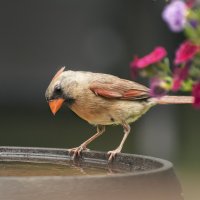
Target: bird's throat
<point>69,101</point>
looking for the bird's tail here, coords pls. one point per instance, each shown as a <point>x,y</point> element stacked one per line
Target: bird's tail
<point>174,100</point>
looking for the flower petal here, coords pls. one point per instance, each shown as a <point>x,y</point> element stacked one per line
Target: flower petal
<point>180,74</point>
<point>185,52</point>
<point>156,89</point>
<point>174,15</point>
<point>155,56</point>
<point>196,94</point>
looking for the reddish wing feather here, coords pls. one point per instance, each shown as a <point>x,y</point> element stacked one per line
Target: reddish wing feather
<point>135,94</point>
<point>106,93</point>
<point>123,89</point>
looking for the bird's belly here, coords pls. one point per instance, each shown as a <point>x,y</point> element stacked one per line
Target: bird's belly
<point>94,115</point>
<point>111,112</point>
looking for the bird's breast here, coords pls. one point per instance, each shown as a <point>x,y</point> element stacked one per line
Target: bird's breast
<point>93,112</point>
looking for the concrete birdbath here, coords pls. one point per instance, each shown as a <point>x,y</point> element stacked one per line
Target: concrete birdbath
<point>51,174</point>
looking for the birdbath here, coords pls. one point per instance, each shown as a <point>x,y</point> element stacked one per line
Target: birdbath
<point>52,174</point>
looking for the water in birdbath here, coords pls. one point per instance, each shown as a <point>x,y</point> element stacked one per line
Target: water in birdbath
<point>13,168</point>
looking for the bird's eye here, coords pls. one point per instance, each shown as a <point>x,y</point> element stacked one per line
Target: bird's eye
<point>58,89</point>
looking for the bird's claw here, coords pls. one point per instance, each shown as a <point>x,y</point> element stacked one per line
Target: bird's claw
<point>77,151</point>
<point>112,154</point>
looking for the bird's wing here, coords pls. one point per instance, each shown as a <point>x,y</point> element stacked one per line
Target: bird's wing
<point>119,89</point>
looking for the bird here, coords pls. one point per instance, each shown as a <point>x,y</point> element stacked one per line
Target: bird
<point>102,100</point>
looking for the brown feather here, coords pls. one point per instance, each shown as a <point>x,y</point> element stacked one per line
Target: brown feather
<point>121,89</point>
<point>106,93</point>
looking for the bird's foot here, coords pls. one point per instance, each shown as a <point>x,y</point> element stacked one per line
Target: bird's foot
<point>76,151</point>
<point>113,153</point>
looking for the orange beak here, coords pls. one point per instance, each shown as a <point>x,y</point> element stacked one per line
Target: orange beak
<point>55,105</point>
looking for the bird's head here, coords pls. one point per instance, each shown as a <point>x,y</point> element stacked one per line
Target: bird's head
<point>57,91</point>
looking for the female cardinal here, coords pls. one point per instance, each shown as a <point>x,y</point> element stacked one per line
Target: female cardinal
<point>103,99</point>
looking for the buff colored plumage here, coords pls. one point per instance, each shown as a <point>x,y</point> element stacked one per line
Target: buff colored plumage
<point>103,99</point>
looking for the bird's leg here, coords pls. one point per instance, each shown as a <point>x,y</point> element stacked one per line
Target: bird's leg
<point>113,153</point>
<point>77,150</point>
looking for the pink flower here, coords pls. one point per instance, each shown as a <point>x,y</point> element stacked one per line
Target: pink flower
<point>196,94</point>
<point>180,74</point>
<point>155,56</point>
<point>185,52</point>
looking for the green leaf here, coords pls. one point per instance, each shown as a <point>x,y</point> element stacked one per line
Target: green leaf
<point>187,85</point>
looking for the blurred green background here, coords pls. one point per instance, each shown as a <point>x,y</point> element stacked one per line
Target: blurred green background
<point>38,37</point>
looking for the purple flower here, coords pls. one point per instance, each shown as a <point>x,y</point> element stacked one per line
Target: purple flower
<point>196,95</point>
<point>174,15</point>
<point>156,89</point>
<point>193,23</point>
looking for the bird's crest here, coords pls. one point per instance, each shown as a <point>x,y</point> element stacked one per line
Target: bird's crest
<point>58,72</point>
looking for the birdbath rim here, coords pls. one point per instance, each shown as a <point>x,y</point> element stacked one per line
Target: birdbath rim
<point>130,163</point>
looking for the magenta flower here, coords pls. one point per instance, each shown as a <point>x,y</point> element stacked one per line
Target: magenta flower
<point>155,56</point>
<point>156,89</point>
<point>196,94</point>
<point>180,74</point>
<point>190,3</point>
<point>185,52</point>
<point>174,15</point>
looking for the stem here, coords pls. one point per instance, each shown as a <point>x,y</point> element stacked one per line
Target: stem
<point>174,100</point>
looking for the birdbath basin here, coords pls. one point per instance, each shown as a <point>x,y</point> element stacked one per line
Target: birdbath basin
<point>52,174</point>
